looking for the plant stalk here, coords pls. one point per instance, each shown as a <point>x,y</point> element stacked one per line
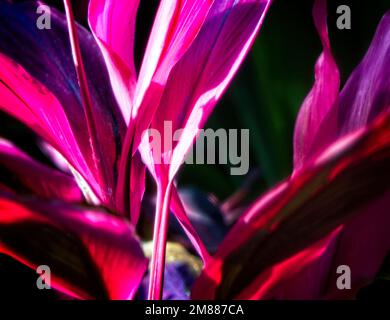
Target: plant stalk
<point>157,266</point>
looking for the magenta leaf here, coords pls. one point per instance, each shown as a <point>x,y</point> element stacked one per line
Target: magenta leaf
<point>340,187</point>
<point>91,253</point>
<point>327,114</point>
<point>363,245</point>
<point>321,98</point>
<point>40,88</point>
<point>175,27</point>
<point>113,25</point>
<point>35,178</point>
<point>212,59</point>
<point>296,222</point>
<point>169,57</point>
<point>23,96</point>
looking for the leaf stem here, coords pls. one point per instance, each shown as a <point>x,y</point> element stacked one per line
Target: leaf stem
<point>82,80</point>
<point>164,191</point>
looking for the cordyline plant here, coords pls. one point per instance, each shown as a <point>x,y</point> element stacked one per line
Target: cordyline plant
<point>59,88</point>
<point>80,93</point>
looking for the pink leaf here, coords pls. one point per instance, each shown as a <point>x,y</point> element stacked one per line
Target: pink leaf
<point>40,88</point>
<point>211,61</point>
<point>35,178</point>
<point>321,98</point>
<point>291,225</point>
<point>23,97</point>
<point>91,253</point>
<point>113,25</point>
<point>193,88</point>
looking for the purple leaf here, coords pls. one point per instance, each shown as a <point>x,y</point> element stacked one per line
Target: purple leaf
<point>367,92</point>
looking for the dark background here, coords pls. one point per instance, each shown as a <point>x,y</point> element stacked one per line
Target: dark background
<point>264,97</point>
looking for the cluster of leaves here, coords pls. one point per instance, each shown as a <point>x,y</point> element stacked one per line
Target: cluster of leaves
<point>82,216</point>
